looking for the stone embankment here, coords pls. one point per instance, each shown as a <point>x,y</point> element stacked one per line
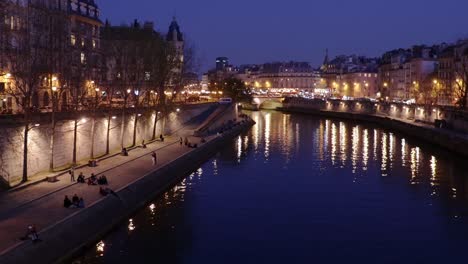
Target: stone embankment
<point>136,183</point>
<point>413,120</point>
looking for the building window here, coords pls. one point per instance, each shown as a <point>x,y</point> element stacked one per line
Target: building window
<point>82,42</point>
<point>83,58</point>
<point>94,43</point>
<point>73,40</point>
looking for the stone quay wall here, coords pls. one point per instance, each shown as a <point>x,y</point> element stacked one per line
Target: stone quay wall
<point>11,139</point>
<point>414,120</point>
<point>100,218</point>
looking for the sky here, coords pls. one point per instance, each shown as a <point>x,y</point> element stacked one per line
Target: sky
<point>259,31</point>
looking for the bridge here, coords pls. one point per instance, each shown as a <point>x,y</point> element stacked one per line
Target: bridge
<point>267,102</point>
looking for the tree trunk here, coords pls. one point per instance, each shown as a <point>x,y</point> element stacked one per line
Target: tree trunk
<point>93,124</point>
<point>122,129</point>
<point>25,153</point>
<point>135,124</point>
<point>109,118</point>
<point>154,125</point>
<point>75,132</point>
<point>52,136</point>
<point>52,139</point>
<point>163,124</point>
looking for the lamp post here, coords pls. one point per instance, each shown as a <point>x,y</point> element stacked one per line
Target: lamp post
<point>436,90</point>
<point>52,137</point>
<point>92,162</point>
<point>28,127</point>
<point>122,128</point>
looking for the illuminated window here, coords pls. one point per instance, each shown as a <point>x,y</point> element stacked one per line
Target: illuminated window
<point>12,22</point>
<point>94,44</point>
<point>73,40</point>
<point>83,58</point>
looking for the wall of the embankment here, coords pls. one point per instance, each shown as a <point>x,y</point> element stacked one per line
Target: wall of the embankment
<point>398,117</point>
<point>11,139</point>
<point>86,227</point>
<point>218,119</point>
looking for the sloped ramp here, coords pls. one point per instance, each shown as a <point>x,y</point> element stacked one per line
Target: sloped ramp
<point>215,116</point>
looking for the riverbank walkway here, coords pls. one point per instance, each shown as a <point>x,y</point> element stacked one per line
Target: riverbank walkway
<point>41,204</point>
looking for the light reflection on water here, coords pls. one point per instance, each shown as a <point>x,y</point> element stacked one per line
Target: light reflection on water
<point>300,188</point>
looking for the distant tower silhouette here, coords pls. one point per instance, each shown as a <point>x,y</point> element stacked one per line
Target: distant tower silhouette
<point>175,36</point>
<point>325,62</point>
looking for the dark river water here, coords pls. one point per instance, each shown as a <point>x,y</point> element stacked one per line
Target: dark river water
<point>301,189</point>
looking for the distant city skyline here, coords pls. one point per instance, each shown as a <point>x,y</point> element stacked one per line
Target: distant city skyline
<point>262,31</point>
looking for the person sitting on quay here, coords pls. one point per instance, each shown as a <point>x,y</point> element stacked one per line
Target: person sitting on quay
<point>81,178</point>
<point>203,140</point>
<point>32,234</point>
<point>81,203</point>
<point>143,144</point>
<point>186,141</point>
<point>181,141</point>
<point>102,180</point>
<point>124,152</point>
<point>161,137</point>
<point>67,202</point>
<point>106,191</point>
<point>92,180</point>
<point>75,200</point>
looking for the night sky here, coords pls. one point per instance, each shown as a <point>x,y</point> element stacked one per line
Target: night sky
<point>257,31</point>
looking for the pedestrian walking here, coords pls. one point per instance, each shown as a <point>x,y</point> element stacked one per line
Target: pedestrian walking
<point>72,174</point>
<point>154,158</point>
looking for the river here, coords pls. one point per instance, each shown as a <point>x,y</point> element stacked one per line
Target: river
<point>303,189</point>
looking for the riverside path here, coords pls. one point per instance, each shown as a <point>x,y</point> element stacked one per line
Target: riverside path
<point>42,204</point>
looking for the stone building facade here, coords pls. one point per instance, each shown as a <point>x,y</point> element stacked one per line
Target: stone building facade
<point>406,73</point>
<point>350,76</point>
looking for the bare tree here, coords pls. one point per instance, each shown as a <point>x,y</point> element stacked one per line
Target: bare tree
<point>58,66</point>
<point>164,67</point>
<point>461,76</point>
<point>27,54</point>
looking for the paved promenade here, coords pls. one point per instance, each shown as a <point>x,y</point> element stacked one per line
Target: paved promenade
<point>42,204</point>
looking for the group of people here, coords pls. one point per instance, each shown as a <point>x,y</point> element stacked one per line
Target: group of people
<point>187,143</point>
<point>93,180</point>
<point>106,191</point>
<point>101,180</point>
<point>75,202</point>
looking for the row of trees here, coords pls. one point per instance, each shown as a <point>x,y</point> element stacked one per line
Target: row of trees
<point>139,68</point>
<point>231,87</point>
